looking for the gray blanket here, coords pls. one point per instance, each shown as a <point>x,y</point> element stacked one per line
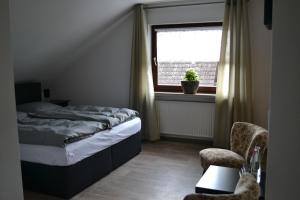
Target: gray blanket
<point>108,115</point>
<point>58,126</point>
<point>55,132</point>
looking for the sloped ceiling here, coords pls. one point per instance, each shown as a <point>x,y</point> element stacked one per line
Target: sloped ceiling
<point>45,32</point>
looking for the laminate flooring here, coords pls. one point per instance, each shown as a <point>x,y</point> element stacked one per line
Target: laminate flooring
<point>164,170</point>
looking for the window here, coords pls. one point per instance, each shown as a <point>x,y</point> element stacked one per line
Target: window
<point>178,47</point>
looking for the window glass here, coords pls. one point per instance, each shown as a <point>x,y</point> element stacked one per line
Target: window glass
<point>180,48</point>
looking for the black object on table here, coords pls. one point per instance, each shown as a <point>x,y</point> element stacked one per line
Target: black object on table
<point>223,180</point>
<point>60,102</point>
<point>218,180</point>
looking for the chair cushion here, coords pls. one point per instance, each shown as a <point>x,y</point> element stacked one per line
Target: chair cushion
<point>220,157</point>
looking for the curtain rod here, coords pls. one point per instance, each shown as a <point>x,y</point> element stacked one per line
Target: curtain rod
<point>181,5</point>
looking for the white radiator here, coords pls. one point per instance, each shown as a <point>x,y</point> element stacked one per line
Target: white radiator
<point>187,119</point>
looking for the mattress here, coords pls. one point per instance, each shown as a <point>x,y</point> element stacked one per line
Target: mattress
<point>77,151</point>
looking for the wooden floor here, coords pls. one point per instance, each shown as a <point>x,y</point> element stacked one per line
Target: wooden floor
<point>162,171</point>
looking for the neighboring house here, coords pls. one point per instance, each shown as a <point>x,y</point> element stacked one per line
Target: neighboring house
<point>172,73</point>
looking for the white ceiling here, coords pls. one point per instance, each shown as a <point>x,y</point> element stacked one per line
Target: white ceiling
<point>44,32</point>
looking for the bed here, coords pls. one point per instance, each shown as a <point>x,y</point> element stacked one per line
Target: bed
<point>65,171</point>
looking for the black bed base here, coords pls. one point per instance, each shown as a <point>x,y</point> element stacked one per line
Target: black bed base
<point>66,181</point>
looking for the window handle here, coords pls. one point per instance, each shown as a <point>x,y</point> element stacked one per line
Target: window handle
<point>155,61</point>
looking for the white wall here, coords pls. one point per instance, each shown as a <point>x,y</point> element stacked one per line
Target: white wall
<point>102,75</point>
<point>10,172</point>
<point>283,172</point>
<point>183,118</point>
<point>261,58</point>
<point>186,14</point>
<point>48,34</point>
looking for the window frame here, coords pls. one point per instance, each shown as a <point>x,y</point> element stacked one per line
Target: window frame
<point>171,88</point>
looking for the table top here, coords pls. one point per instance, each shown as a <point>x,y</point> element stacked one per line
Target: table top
<point>218,180</point>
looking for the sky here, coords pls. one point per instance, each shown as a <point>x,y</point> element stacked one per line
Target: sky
<point>189,45</point>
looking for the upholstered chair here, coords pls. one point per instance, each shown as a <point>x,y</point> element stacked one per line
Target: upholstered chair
<point>246,189</point>
<point>244,137</point>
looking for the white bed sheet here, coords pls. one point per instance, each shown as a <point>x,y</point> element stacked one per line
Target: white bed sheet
<point>77,151</point>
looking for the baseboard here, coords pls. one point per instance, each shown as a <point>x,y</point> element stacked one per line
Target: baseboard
<point>188,139</point>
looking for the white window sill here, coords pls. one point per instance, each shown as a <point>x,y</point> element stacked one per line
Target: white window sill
<point>169,96</point>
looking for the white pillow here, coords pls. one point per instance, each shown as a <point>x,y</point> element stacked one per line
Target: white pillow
<point>37,106</point>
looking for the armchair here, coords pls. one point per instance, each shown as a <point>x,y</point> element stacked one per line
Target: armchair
<point>244,137</point>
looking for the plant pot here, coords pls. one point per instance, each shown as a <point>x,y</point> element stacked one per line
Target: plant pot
<point>189,87</point>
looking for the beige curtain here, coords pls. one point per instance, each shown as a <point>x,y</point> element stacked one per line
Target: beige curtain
<point>233,96</point>
<point>141,87</point>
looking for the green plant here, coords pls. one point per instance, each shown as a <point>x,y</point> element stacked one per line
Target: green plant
<point>191,75</point>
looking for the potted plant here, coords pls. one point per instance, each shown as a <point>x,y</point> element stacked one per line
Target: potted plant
<point>190,82</point>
